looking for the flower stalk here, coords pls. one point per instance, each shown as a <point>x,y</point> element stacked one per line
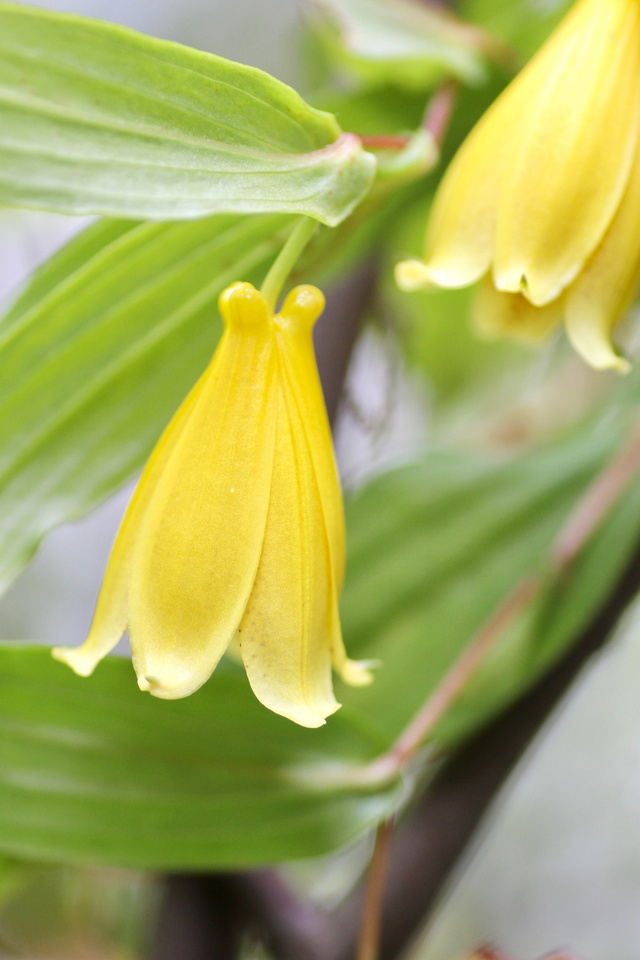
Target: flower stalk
<point>286,261</point>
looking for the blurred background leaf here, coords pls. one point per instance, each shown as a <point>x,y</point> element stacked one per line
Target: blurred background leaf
<point>98,119</point>
<point>397,42</point>
<point>434,548</point>
<point>73,913</point>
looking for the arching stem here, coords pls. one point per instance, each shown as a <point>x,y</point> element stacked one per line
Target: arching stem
<point>286,260</point>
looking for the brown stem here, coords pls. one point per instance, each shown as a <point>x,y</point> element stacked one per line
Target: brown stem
<point>440,110</point>
<point>601,496</point>
<point>369,945</point>
<point>591,510</point>
<point>454,682</point>
<point>384,142</point>
<point>436,121</point>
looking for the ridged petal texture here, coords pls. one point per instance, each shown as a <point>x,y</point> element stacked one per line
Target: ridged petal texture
<point>542,196</point>
<point>592,304</point>
<point>236,529</point>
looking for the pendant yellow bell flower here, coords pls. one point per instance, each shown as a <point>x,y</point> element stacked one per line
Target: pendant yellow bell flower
<point>543,198</point>
<point>236,531</point>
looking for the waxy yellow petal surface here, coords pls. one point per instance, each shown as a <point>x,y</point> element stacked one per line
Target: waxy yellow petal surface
<point>495,314</point>
<point>112,609</point>
<point>234,538</point>
<point>607,286</point>
<point>302,388</point>
<point>570,165</point>
<point>284,632</point>
<point>543,198</point>
<point>199,543</point>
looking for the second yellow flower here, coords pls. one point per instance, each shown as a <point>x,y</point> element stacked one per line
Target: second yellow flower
<point>542,201</point>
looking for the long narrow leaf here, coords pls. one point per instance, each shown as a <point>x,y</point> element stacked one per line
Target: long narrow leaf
<point>95,118</point>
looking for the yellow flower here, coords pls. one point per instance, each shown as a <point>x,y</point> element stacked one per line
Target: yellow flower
<point>543,198</point>
<point>236,531</point>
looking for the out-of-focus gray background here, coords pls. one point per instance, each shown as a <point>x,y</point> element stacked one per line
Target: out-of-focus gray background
<point>559,862</point>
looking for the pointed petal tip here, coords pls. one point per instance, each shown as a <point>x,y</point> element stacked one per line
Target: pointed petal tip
<point>539,290</point>
<point>310,721</point>
<point>603,357</point>
<point>300,712</point>
<point>357,673</point>
<point>411,275</point>
<point>590,338</point>
<point>290,704</point>
<point>80,662</point>
<point>165,677</point>
<point>167,689</point>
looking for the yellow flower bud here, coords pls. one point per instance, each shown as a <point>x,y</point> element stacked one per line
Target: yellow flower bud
<point>543,198</point>
<point>236,531</point>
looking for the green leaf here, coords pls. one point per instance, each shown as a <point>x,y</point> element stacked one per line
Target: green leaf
<point>398,42</point>
<point>97,354</point>
<point>435,547</point>
<point>94,770</point>
<point>95,118</point>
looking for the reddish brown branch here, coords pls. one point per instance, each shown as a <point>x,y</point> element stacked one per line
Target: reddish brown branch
<point>369,944</point>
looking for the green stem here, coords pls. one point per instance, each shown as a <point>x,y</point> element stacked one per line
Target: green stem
<point>286,260</point>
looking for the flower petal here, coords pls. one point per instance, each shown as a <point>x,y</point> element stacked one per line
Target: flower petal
<point>459,245</point>
<point>495,314</point>
<point>569,171</point>
<point>302,387</point>
<point>606,287</point>
<point>294,325</point>
<point>284,634</point>
<point>288,634</point>
<point>200,540</point>
<point>111,615</point>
